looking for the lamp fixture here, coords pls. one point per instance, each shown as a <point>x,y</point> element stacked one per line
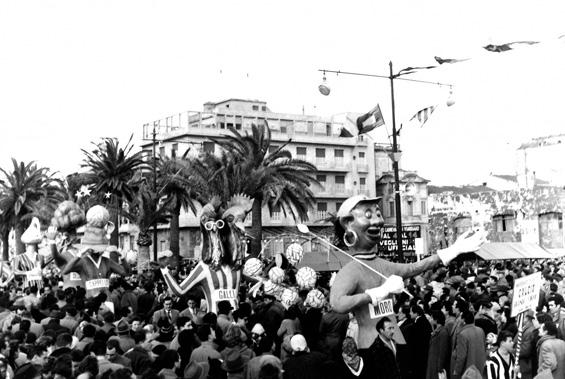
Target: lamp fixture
<point>324,88</point>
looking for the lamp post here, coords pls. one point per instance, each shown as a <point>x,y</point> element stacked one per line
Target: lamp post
<point>154,167</point>
<point>395,156</point>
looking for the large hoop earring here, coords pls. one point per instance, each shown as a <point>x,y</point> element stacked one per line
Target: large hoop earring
<point>350,238</point>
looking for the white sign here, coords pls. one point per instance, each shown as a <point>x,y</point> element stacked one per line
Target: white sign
<point>97,284</point>
<point>33,276</point>
<point>526,293</point>
<point>383,308</point>
<point>75,276</point>
<point>229,294</point>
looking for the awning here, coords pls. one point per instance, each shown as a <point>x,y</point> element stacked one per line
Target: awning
<point>512,250</point>
<point>333,261</point>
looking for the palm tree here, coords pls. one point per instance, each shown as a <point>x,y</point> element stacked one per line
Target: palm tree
<point>25,192</point>
<point>176,185</point>
<point>111,169</point>
<point>145,210</point>
<point>272,178</point>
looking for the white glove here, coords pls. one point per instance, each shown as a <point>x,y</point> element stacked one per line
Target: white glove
<point>393,284</point>
<point>466,243</point>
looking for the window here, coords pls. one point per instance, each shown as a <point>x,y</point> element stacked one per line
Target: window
<point>361,160</point>
<point>238,126</point>
<point>255,107</point>
<point>504,222</point>
<point>222,125</point>
<point>424,207</point>
<point>208,147</point>
<point>551,230</point>
<point>175,149</point>
<point>322,180</point>
<point>361,155</point>
<point>162,151</point>
<point>227,105</point>
<point>337,206</point>
<point>301,152</point>
<point>329,130</point>
<point>338,154</point>
<point>322,208</point>
<point>264,108</point>
<point>409,206</point>
<point>391,209</point>
<point>362,184</point>
<point>340,183</point>
<point>276,215</point>
<point>283,129</point>
<point>272,149</point>
<point>320,156</point>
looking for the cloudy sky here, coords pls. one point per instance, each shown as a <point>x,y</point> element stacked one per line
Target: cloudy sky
<point>74,71</point>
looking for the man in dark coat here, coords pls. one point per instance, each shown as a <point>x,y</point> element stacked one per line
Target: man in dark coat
<point>528,346</point>
<point>419,342</point>
<point>440,349</point>
<point>303,363</point>
<point>383,352</point>
<point>469,349</point>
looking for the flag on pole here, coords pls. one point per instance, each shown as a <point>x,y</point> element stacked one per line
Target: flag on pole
<point>423,115</point>
<point>371,120</point>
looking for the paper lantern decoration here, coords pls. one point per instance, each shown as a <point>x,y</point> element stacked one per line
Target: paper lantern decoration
<point>294,253</point>
<point>315,299</point>
<point>288,297</point>
<point>276,275</point>
<point>306,278</point>
<point>253,267</point>
<point>271,288</point>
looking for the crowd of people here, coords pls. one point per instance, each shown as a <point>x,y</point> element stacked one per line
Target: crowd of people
<point>455,324</point>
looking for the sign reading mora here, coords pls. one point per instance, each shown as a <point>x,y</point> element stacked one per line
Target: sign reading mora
<point>388,245</point>
<point>526,293</point>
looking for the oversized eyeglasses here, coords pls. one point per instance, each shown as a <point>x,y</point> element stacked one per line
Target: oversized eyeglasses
<point>209,225</point>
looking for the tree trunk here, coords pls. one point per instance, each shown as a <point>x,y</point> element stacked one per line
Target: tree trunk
<point>6,245</point>
<point>175,231</point>
<point>19,229</point>
<point>143,257</point>
<point>115,217</point>
<point>256,226</point>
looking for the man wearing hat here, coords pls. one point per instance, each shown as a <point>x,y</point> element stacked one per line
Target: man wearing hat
<point>93,268</point>
<point>303,363</point>
<point>124,339</point>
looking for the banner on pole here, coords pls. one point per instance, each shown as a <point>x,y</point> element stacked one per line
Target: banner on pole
<point>526,293</point>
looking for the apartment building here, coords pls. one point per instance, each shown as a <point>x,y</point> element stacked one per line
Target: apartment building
<point>347,164</point>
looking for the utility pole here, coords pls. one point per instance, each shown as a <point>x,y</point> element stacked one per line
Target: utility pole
<point>154,192</point>
<point>396,156</point>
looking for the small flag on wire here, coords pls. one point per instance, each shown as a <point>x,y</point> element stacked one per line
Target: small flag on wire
<point>423,115</point>
<point>449,60</point>
<point>371,120</point>
<point>507,46</point>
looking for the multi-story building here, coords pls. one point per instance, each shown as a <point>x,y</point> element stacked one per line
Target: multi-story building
<point>347,164</point>
<point>541,158</point>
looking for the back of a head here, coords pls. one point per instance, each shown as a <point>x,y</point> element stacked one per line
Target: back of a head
<point>438,316</point>
<point>550,328</point>
<point>168,358</point>
<point>64,339</point>
<point>88,331</point>
<point>468,317</point>
<point>269,371</point>
<point>203,332</point>
<point>265,344</point>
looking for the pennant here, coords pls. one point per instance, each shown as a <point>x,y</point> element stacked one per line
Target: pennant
<point>449,60</point>
<point>410,70</point>
<point>370,121</point>
<point>507,46</point>
<point>423,115</point>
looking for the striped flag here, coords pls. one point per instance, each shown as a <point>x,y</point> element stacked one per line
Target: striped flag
<point>423,115</point>
<point>371,120</point>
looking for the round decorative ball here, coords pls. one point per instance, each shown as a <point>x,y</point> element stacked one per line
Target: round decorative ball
<point>276,275</point>
<point>253,267</point>
<point>315,299</point>
<point>288,297</point>
<point>271,288</point>
<point>294,253</point>
<point>306,278</point>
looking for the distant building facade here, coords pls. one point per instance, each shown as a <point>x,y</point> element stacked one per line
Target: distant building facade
<point>347,164</point>
<point>525,215</point>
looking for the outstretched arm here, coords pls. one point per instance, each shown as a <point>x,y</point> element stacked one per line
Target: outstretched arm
<point>197,275</point>
<point>116,268</point>
<point>74,265</point>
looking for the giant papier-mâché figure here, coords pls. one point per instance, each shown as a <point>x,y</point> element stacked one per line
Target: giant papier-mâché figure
<point>29,264</point>
<point>356,288</point>
<point>93,268</point>
<point>219,271</point>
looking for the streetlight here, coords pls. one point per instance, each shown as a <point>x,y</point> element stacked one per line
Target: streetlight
<point>395,156</point>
